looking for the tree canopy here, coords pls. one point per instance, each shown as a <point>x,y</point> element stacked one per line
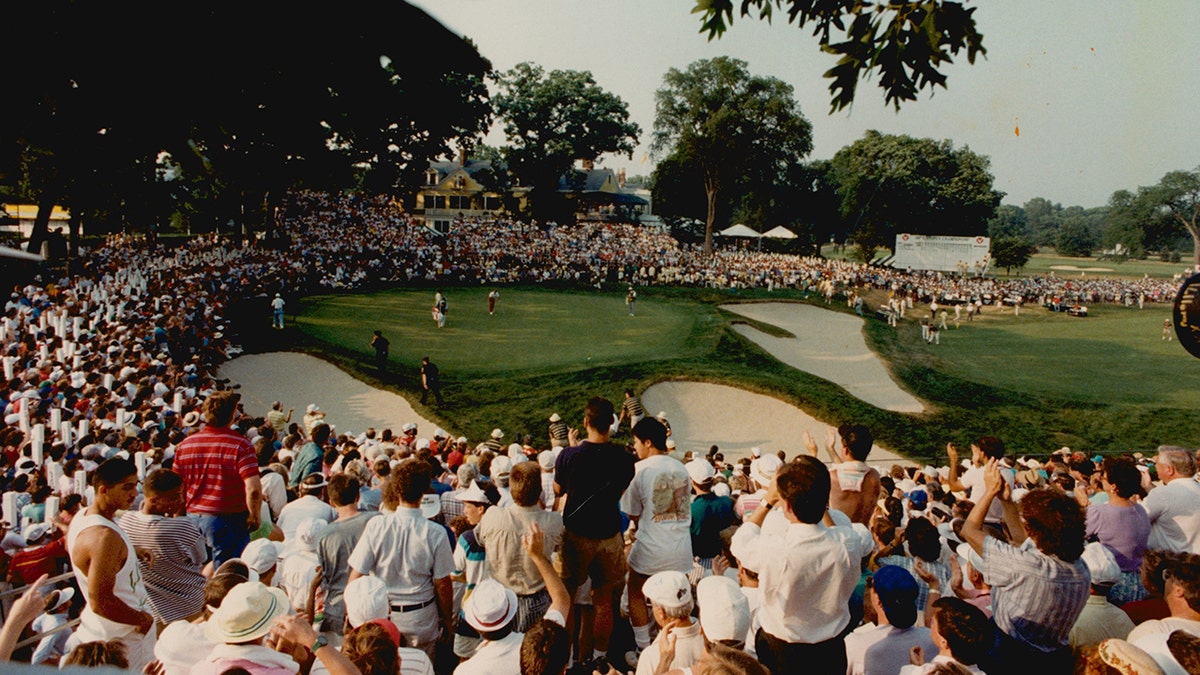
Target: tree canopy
<point>1178,193</point>
<point>906,43</point>
<point>890,184</point>
<point>728,123</point>
<point>552,119</point>
<point>245,98</point>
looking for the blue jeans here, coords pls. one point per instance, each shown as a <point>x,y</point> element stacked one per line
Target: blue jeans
<point>225,534</point>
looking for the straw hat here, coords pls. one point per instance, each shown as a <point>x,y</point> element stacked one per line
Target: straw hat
<point>246,614</point>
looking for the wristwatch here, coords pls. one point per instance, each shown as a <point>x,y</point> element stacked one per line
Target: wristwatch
<point>321,641</point>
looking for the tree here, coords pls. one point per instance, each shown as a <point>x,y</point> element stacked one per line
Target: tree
<point>551,120</point>
<point>1179,194</point>
<point>1010,251</point>
<point>1009,221</point>
<point>1076,237</point>
<point>905,42</point>
<point>729,123</point>
<point>1043,218</point>
<point>259,110</point>
<point>891,184</point>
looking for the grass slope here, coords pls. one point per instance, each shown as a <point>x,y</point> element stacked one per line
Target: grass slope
<point>1106,383</point>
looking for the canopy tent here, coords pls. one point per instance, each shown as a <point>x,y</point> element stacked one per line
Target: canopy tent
<point>739,230</point>
<point>779,232</point>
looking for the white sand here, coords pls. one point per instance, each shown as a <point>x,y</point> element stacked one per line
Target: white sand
<point>300,379</point>
<point>1073,268</point>
<point>829,345</point>
<point>735,420</point>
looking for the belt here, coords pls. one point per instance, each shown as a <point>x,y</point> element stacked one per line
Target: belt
<point>412,608</point>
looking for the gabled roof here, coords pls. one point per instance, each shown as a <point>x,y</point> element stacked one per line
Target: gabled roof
<point>587,181</point>
<point>472,167</point>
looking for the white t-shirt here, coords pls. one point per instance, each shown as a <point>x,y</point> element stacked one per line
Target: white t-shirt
<point>660,498</point>
<point>975,484</point>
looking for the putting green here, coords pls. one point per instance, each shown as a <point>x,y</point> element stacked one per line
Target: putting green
<point>532,330</point>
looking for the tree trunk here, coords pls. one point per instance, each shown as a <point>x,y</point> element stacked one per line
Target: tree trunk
<point>41,225</point>
<point>711,187</point>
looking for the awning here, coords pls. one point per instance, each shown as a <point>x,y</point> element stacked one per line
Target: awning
<point>739,230</point>
<point>780,232</point>
<point>621,198</point>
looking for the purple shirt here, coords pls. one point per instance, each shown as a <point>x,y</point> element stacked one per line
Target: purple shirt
<point>1123,529</point>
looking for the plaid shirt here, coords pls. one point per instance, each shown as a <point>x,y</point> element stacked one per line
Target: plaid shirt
<point>1036,598</point>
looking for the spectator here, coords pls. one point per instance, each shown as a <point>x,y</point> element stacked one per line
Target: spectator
<point>982,450</point>
<point>962,634</point>
<point>1120,524</point>
<point>311,504</point>
<point>221,480</point>
<point>106,568</point>
<point>1100,619</point>
<point>308,460</point>
<point>52,647</point>
<point>1174,508</point>
<point>174,572</point>
<point>1182,583</point>
<point>41,555</point>
<point>885,648</point>
<point>670,596</point>
<point>335,546</point>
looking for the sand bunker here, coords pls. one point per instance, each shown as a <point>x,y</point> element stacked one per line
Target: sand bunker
<point>1073,268</point>
<point>299,379</point>
<point>829,345</point>
<point>735,420</point>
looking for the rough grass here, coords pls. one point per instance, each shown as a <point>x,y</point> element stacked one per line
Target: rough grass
<point>1106,383</point>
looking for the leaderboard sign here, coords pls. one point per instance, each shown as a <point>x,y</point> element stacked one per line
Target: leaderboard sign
<point>965,255</point>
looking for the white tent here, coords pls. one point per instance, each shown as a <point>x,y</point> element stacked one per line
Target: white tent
<point>739,230</point>
<point>779,232</point>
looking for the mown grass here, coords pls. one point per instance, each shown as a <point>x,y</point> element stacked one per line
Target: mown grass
<point>1106,383</point>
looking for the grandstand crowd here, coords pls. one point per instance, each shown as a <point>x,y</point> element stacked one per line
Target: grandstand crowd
<point>154,523</point>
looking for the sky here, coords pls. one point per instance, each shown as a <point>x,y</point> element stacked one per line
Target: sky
<point>1101,92</point>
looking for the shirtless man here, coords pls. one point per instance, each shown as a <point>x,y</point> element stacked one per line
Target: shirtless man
<point>855,485</point>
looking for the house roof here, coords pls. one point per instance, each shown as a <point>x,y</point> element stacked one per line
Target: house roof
<point>472,167</point>
<point>739,230</point>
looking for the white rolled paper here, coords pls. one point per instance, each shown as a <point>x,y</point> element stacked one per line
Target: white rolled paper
<point>8,367</point>
<point>54,472</point>
<point>9,506</point>
<point>51,510</point>
<point>139,460</point>
<point>23,421</point>
<point>64,433</point>
<point>83,427</point>
<point>89,495</point>
<point>80,482</point>
<point>178,403</point>
<point>108,381</point>
<point>55,417</point>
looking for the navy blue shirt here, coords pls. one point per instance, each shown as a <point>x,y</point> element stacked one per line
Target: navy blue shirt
<point>593,476</point>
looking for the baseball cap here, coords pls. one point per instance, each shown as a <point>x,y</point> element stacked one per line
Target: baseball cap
<point>501,466</point>
<point>897,591</point>
<point>546,460</point>
<point>1102,564</point>
<point>366,599</point>
<point>431,505</point>
<point>700,470</point>
<point>724,610</point>
<point>669,589</point>
<point>919,499</point>
<point>763,469</point>
<point>260,555</point>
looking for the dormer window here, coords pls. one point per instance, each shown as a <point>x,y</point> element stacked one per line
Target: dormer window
<point>431,177</point>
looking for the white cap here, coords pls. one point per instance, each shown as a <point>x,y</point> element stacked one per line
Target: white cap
<point>496,433</point>
<point>724,610</point>
<point>670,590</point>
<point>700,470</point>
<point>1102,564</point>
<point>491,607</point>
<point>312,407</point>
<point>501,466</point>
<point>431,505</point>
<point>260,555</point>
<point>763,469</point>
<point>366,598</point>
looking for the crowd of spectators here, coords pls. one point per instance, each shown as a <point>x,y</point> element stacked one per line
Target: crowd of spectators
<point>199,536</point>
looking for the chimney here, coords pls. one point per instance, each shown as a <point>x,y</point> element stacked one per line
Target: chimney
<point>621,177</point>
<point>462,155</point>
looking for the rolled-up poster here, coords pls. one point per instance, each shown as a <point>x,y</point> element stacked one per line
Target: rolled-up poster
<point>8,367</point>
<point>83,427</point>
<point>178,403</point>
<point>64,433</point>
<point>120,421</point>
<point>23,417</point>
<point>55,417</point>
<point>108,381</point>
<point>54,471</point>
<point>38,444</point>
<point>139,461</point>
<point>9,506</point>
<point>81,482</point>
<point>51,510</point>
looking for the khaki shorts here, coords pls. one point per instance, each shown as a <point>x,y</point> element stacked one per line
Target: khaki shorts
<point>601,560</point>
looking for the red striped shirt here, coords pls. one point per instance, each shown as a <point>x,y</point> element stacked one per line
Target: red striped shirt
<point>214,464</point>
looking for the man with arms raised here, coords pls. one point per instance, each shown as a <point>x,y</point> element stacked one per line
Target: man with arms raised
<point>855,486</point>
<point>808,575</point>
<point>106,568</point>
<point>221,483</point>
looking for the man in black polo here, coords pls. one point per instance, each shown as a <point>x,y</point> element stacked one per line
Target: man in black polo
<point>430,381</point>
<point>592,475</point>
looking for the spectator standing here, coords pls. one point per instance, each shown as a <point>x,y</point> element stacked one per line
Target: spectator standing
<point>173,575</point>
<point>711,513</point>
<point>500,532</point>
<point>1121,524</point>
<point>107,571</point>
<point>632,410</point>
<point>311,504</point>
<point>222,488</point>
<point>334,548</point>
<point>278,420</point>
<point>412,556</point>
<point>592,476</point>
<point>808,576</point>
<point>657,501</point>
<point>1100,619</point>
<point>309,460</point>
<point>884,649</point>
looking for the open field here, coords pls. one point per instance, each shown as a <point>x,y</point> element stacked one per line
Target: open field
<point>1106,383</point>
